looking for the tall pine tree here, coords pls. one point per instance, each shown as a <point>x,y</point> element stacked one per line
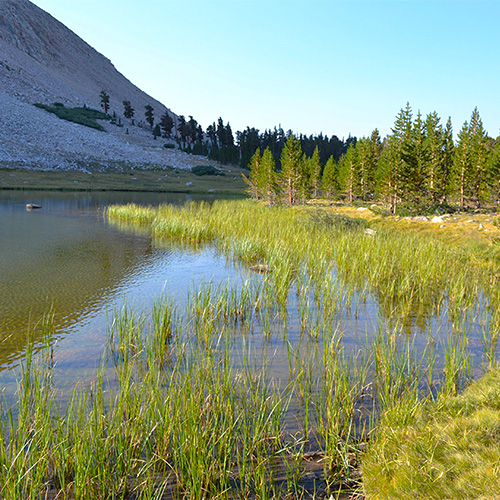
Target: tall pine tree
<point>329,181</point>
<point>478,158</point>
<point>394,166</point>
<point>348,173</point>
<point>291,170</point>
<point>253,180</point>
<point>314,173</point>
<point>267,185</point>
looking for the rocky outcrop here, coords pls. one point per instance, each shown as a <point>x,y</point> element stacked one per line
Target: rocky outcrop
<point>43,61</point>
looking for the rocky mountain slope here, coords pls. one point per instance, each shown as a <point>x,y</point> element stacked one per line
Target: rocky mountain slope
<point>41,60</point>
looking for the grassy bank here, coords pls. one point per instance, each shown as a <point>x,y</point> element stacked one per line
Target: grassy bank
<point>413,271</point>
<point>123,178</point>
<point>187,405</point>
<point>445,449</point>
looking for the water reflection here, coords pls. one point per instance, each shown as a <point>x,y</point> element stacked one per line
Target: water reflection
<point>66,258</point>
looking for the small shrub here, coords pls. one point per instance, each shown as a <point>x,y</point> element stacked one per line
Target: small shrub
<point>58,105</point>
<point>337,221</point>
<point>169,145</point>
<point>206,170</point>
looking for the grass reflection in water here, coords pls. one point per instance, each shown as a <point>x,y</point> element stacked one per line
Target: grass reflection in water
<point>196,409</point>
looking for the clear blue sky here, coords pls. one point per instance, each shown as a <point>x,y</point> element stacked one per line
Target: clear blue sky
<point>337,67</point>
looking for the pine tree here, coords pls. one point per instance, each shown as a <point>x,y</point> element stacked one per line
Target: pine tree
<point>478,158</point>
<point>128,110</point>
<point>291,174</point>
<point>314,173</point>
<point>494,169</point>
<point>166,124</point>
<point>253,179</point>
<point>156,131</point>
<point>460,174</point>
<point>267,185</point>
<point>183,128</point>
<point>104,101</point>
<point>329,181</point>
<point>414,165</point>
<point>348,173</point>
<point>448,154</point>
<point>304,185</point>
<point>367,153</point>
<point>393,167</point>
<point>435,169</point>
<point>149,114</point>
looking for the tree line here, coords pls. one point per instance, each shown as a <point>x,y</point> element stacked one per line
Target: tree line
<point>219,143</point>
<point>418,165</point>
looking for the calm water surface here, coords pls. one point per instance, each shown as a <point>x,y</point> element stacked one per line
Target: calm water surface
<point>67,258</point>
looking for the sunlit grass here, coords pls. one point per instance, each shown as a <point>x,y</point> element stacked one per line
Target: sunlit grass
<point>179,409</point>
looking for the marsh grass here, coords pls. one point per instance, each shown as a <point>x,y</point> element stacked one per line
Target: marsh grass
<point>334,265</point>
<point>186,403</point>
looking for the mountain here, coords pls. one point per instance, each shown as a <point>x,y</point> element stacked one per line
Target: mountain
<point>42,61</point>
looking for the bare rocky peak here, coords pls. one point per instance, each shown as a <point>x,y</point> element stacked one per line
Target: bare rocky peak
<point>45,61</point>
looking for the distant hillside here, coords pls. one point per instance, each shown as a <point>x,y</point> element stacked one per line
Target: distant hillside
<point>42,61</point>
<point>49,62</point>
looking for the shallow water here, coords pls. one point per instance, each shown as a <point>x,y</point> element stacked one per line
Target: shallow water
<point>67,258</point>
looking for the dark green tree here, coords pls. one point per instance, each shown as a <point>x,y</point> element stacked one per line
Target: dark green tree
<point>149,114</point>
<point>192,125</point>
<point>494,170</point>
<point>183,128</point>
<point>166,124</point>
<point>267,182</point>
<point>478,158</point>
<point>461,171</point>
<point>448,154</point>
<point>469,179</point>
<point>348,173</point>
<point>367,154</point>
<point>156,131</point>
<point>128,110</point>
<point>329,181</point>
<point>104,101</point>
<point>314,173</point>
<point>393,166</point>
<point>435,168</point>
<point>253,179</point>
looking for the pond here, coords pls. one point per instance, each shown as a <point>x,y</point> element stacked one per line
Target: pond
<point>214,377</point>
<point>66,258</point>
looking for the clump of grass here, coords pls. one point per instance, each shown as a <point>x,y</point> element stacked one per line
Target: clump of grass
<point>82,116</point>
<point>447,448</point>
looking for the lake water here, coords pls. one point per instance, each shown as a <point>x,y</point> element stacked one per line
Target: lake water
<point>68,259</point>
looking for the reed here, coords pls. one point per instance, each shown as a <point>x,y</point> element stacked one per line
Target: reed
<point>186,403</point>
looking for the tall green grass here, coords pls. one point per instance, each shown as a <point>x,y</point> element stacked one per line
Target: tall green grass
<point>186,403</point>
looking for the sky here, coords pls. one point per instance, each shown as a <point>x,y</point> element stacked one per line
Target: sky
<point>312,66</point>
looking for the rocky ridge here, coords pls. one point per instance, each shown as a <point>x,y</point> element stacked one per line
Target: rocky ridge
<point>41,60</point>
